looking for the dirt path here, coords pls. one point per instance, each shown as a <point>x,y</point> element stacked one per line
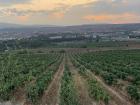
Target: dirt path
<point>51,95</point>
<point>119,99</point>
<point>80,86</point>
<point>19,96</point>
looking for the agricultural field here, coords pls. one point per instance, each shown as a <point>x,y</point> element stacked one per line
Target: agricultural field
<point>120,70</point>
<point>67,77</point>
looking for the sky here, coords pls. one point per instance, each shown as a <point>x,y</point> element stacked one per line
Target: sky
<point>69,12</point>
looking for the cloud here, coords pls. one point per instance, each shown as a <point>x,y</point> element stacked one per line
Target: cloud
<point>115,6</point>
<point>47,5</point>
<point>10,2</point>
<point>70,11</point>
<point>50,4</point>
<point>23,18</point>
<point>116,18</point>
<point>56,15</point>
<point>16,12</point>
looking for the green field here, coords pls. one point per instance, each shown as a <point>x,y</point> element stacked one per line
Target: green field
<point>70,77</point>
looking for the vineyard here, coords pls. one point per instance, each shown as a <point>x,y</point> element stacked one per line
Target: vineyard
<point>70,78</point>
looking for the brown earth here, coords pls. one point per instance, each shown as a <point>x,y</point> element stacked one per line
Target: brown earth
<point>19,96</point>
<point>116,97</point>
<point>81,88</point>
<point>51,95</point>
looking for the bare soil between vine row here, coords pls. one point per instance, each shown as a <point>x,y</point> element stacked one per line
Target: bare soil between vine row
<point>51,95</point>
<point>80,86</point>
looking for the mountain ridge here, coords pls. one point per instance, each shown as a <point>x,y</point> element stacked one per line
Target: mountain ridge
<point>7,27</point>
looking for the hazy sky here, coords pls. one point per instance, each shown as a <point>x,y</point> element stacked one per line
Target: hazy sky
<point>69,12</point>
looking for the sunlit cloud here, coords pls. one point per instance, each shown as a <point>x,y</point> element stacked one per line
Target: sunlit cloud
<point>48,5</point>
<point>115,18</point>
<point>70,11</point>
<point>23,18</point>
<point>56,15</point>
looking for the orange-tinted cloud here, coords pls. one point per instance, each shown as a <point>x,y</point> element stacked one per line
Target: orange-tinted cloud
<point>112,18</point>
<point>70,11</point>
<point>37,5</point>
<point>56,15</point>
<point>23,18</point>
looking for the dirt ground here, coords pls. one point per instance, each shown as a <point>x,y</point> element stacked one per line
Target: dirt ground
<point>81,87</point>
<point>117,99</point>
<point>51,95</point>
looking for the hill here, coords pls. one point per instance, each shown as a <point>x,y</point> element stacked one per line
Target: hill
<point>4,27</point>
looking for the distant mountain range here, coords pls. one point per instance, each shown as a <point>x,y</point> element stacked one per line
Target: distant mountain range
<point>10,25</point>
<point>6,27</point>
